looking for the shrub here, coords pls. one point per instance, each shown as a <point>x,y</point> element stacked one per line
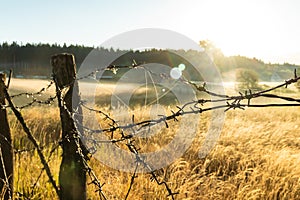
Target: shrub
<point>246,79</point>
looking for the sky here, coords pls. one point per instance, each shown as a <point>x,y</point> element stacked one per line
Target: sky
<point>266,29</point>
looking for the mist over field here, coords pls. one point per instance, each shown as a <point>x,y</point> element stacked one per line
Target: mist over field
<point>247,152</point>
<point>150,100</point>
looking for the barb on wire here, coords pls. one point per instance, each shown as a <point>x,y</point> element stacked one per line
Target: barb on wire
<point>188,108</point>
<point>139,159</point>
<point>32,139</point>
<point>251,95</point>
<point>32,94</point>
<point>106,116</point>
<point>95,181</point>
<point>48,101</point>
<point>133,149</point>
<point>192,107</point>
<point>128,131</point>
<point>115,68</point>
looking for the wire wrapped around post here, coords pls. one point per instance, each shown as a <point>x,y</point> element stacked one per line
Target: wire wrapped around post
<point>6,150</point>
<point>72,175</point>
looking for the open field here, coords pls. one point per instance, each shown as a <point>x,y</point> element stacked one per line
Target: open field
<point>257,157</point>
<point>107,93</point>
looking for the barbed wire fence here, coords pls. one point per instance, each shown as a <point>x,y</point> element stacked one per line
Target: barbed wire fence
<point>65,81</point>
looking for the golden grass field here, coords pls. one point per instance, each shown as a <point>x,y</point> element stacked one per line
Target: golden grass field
<point>257,157</point>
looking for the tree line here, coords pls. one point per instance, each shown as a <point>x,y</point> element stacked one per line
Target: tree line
<point>32,60</point>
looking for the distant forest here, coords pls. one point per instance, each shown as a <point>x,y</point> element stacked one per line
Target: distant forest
<point>33,60</point>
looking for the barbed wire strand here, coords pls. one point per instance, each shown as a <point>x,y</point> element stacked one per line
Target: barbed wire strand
<point>43,169</point>
<point>41,91</point>
<point>232,102</point>
<point>132,180</point>
<point>6,182</point>
<point>235,103</point>
<point>133,149</point>
<point>248,94</point>
<point>48,101</point>
<point>32,139</point>
<point>79,145</point>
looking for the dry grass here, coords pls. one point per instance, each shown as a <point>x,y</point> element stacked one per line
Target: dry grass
<point>257,157</point>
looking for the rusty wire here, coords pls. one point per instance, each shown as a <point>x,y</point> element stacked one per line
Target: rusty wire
<point>192,107</point>
<point>32,140</point>
<point>41,91</point>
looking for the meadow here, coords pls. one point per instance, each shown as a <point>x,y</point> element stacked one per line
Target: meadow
<point>257,157</point>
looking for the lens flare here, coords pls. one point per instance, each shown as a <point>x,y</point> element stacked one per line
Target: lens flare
<point>175,73</point>
<point>181,67</point>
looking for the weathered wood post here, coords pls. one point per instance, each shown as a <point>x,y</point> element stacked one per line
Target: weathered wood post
<point>72,175</point>
<point>6,151</point>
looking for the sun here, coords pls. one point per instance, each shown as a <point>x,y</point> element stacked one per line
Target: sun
<point>242,28</point>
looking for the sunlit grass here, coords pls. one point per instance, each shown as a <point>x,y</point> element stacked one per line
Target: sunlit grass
<point>257,157</point>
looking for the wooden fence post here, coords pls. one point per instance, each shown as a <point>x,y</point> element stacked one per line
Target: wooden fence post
<point>72,175</point>
<point>6,150</point>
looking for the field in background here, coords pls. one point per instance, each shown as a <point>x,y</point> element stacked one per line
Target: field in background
<point>257,157</point>
<point>102,92</point>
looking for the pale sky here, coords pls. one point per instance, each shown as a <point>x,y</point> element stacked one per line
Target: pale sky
<point>265,29</point>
